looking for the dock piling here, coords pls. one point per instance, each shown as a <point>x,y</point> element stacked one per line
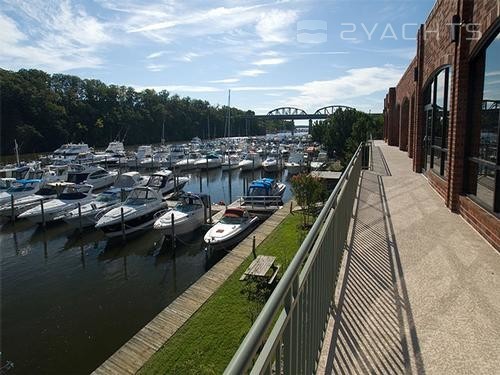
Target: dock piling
<point>43,212</point>
<point>172,219</point>
<point>210,209</point>
<point>253,248</point>
<point>12,210</point>
<point>80,216</point>
<point>123,223</point>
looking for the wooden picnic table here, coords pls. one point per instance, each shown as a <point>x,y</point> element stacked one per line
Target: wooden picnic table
<point>259,268</point>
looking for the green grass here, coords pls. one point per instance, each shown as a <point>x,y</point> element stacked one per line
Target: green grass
<point>208,340</point>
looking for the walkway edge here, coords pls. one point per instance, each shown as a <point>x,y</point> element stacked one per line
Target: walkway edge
<point>132,356</point>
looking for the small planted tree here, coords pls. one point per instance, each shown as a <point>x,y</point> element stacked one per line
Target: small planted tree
<point>308,191</point>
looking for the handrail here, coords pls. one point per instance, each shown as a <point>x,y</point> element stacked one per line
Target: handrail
<point>287,290</point>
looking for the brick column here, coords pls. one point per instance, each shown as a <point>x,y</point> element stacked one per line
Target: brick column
<point>392,117</point>
<point>411,126</point>
<point>419,105</point>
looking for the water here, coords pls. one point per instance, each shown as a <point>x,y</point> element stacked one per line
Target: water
<point>69,300</point>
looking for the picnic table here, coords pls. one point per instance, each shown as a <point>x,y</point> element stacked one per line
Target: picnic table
<point>260,268</point>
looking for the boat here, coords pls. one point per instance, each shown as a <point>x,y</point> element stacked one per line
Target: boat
<point>189,161</point>
<point>271,164</point>
<point>98,177</point>
<point>294,167</point>
<point>46,192</point>
<point>234,225</point>
<point>88,214</point>
<point>231,161</point>
<point>143,157</point>
<point>129,180</point>
<point>54,209</point>
<point>165,182</point>
<point>264,192</point>
<point>189,214</point>
<point>72,152</point>
<point>209,161</point>
<point>112,155</point>
<point>136,213</point>
<point>19,189</point>
<point>251,161</point>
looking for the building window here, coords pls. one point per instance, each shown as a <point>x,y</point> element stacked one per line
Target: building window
<point>437,98</point>
<point>483,172</point>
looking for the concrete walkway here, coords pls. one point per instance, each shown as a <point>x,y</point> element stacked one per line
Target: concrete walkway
<point>419,290</point>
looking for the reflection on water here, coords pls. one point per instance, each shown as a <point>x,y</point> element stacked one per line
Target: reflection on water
<point>70,299</point>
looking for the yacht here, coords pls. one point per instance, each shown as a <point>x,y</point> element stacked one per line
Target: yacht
<point>142,157</point>
<point>176,153</point>
<point>129,180</point>
<point>73,152</point>
<point>55,209</point>
<point>189,161</point>
<point>295,164</point>
<point>251,161</point>
<point>271,164</point>
<point>231,161</point>
<point>189,214</point>
<point>135,214</point>
<point>98,177</point>
<point>112,155</point>
<point>20,189</point>
<point>48,191</point>
<point>209,161</point>
<point>88,214</point>
<point>230,229</point>
<point>264,192</point>
<point>165,182</point>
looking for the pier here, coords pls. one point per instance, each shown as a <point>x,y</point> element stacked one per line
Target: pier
<point>135,352</point>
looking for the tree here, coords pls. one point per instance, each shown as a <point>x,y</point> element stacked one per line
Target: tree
<point>308,191</point>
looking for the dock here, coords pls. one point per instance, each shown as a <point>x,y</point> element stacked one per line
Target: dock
<point>138,350</point>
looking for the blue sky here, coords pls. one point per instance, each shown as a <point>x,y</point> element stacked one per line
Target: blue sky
<point>307,54</point>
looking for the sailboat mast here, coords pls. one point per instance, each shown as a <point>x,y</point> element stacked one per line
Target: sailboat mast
<point>163,132</point>
<point>229,116</point>
<point>16,149</point>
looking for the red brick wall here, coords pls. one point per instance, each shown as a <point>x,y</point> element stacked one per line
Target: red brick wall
<point>439,184</point>
<point>483,221</point>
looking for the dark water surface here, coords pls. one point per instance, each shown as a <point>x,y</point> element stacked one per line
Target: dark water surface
<point>69,300</point>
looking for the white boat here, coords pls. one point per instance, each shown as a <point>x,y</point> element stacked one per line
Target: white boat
<point>98,177</point>
<point>129,180</point>
<point>143,156</point>
<point>272,164</point>
<point>72,152</point>
<point>264,192</point>
<point>209,161</point>
<point>231,161</point>
<point>250,162</point>
<point>89,213</point>
<point>112,155</point>
<point>135,214</point>
<point>48,191</point>
<point>165,182</point>
<point>189,161</point>
<point>20,189</point>
<point>230,229</point>
<point>176,153</point>
<point>294,167</point>
<point>189,214</point>
<point>55,208</point>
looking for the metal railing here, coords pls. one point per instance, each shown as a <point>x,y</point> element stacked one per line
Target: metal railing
<point>303,298</point>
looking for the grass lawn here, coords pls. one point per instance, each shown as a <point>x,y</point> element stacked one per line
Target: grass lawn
<point>207,342</point>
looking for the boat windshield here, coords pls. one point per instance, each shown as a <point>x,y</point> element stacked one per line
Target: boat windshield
<point>19,188</point>
<point>107,197</point>
<point>138,197</point>
<point>47,191</point>
<point>232,220</point>
<point>156,181</point>
<point>188,205</point>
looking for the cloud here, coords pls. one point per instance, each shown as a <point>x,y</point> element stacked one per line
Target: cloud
<point>270,61</point>
<point>273,26</point>
<point>252,72</point>
<point>179,88</point>
<point>226,80</point>
<point>188,57</point>
<point>55,36</point>
<point>156,67</point>
<point>155,55</point>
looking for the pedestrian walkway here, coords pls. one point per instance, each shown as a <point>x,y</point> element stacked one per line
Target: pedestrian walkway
<point>419,289</point>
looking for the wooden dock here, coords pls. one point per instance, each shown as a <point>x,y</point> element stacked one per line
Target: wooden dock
<point>137,351</point>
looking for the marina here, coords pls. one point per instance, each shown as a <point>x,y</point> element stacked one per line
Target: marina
<point>72,289</point>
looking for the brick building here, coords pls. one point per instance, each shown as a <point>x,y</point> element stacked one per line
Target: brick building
<point>445,110</point>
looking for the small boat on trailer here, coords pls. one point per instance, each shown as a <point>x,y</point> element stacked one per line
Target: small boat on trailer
<point>230,229</point>
<point>135,214</point>
<point>188,215</point>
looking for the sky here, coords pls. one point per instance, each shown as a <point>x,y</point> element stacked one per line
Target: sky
<point>270,54</point>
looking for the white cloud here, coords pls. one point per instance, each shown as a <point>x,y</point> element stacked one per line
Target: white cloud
<point>155,55</point>
<point>179,88</point>
<point>270,61</point>
<point>156,67</point>
<point>226,80</point>
<point>252,72</point>
<point>188,57</point>
<point>274,26</point>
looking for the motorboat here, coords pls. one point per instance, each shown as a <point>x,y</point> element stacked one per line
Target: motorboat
<point>136,213</point>
<point>46,192</point>
<point>112,155</point>
<point>73,152</point>
<point>251,161</point>
<point>189,161</point>
<point>272,164</point>
<point>234,225</point>
<point>209,161</point>
<point>88,214</point>
<point>143,157</point>
<point>130,180</point>
<point>176,153</point>
<point>6,183</point>
<point>15,172</point>
<point>165,182</point>
<point>54,209</point>
<point>98,177</point>
<point>20,189</point>
<point>188,215</point>
<point>231,161</point>
<point>294,167</point>
<point>264,192</point>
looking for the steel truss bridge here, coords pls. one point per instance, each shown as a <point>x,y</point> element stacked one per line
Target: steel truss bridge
<point>293,113</point>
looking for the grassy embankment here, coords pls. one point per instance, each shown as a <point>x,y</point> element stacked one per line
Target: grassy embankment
<point>208,340</point>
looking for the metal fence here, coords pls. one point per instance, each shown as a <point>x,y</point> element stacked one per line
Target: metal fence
<point>297,312</point>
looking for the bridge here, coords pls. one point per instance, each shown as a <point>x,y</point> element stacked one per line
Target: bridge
<point>293,113</point>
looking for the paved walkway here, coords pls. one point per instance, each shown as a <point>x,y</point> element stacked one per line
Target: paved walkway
<point>419,290</point>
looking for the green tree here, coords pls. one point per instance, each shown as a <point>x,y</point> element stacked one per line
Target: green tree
<point>308,191</point>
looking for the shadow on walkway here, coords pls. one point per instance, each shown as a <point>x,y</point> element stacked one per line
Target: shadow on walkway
<point>373,328</point>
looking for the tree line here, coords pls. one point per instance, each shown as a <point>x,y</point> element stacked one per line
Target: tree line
<point>42,111</point>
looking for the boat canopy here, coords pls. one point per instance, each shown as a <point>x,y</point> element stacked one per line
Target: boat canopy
<point>234,212</point>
